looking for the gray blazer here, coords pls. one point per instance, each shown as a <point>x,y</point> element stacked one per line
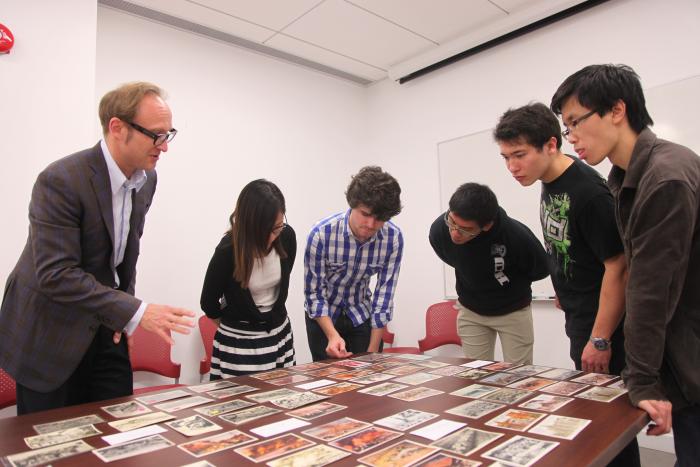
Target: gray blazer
<point>62,287</point>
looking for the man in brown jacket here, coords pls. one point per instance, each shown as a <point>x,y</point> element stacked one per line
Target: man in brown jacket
<point>656,185</point>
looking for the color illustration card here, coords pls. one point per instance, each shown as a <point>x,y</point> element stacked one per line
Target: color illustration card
<point>315,456</point>
<point>405,420</point>
<point>520,451</point>
<point>317,410</point>
<point>401,454</point>
<point>546,402</point>
<point>414,394</point>
<point>466,441</point>
<point>475,409</point>
<point>336,429</point>
<point>382,389</point>
<point>474,391</point>
<point>216,443</point>
<point>514,419</point>
<point>275,447</point>
<point>364,440</point>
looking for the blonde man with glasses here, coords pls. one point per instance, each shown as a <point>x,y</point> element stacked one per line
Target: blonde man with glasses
<point>496,259</point>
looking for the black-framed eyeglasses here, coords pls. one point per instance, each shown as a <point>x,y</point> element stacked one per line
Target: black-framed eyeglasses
<point>158,138</point>
<point>461,230</point>
<point>575,122</point>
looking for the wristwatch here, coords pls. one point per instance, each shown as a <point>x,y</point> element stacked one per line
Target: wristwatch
<point>600,343</point>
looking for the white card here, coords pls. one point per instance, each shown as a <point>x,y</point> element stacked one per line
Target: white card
<point>119,438</point>
<point>437,430</point>
<point>477,363</point>
<point>279,427</point>
<point>315,384</point>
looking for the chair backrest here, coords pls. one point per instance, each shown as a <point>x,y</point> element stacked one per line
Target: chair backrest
<point>8,390</point>
<point>440,326</point>
<point>387,336</point>
<point>207,329</point>
<point>151,353</point>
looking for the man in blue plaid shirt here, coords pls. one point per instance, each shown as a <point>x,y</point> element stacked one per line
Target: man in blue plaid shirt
<point>343,251</point>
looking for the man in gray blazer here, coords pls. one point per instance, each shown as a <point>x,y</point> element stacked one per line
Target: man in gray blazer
<point>71,295</point>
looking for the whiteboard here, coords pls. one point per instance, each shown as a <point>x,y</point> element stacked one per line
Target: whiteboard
<point>475,158</point>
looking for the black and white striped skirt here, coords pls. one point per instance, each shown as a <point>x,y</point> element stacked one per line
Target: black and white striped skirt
<point>237,352</point>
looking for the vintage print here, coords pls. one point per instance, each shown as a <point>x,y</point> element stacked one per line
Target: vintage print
<point>532,384</point>
<point>128,424</point>
<point>223,407</point>
<point>126,409</point>
<point>247,415</point>
<point>514,419</point>
<point>601,393</point>
<point>475,409</point>
<point>414,394</point>
<point>546,402</point>
<point>507,395</point>
<point>558,426</point>
<point>336,429</point>
<point>59,437</point>
<point>220,442</point>
<point>315,456</point>
<point>466,440</point>
<point>162,396</point>
<point>47,455</point>
<point>564,388</point>
<point>193,426</point>
<point>317,410</point>
<point>442,459</point>
<point>401,454</point>
<point>405,420</point>
<point>132,448</point>
<point>182,404</point>
<point>382,389</point>
<point>474,391</point>
<point>520,451</point>
<point>69,423</point>
<point>363,441</point>
<point>275,447</point>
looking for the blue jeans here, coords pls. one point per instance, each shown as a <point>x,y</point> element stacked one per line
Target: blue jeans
<point>686,436</point>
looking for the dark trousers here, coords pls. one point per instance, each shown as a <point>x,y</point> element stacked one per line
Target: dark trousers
<point>629,456</point>
<point>103,373</point>
<point>356,338</point>
<point>686,436</point>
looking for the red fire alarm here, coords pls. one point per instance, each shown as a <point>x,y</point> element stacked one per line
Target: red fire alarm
<point>7,40</point>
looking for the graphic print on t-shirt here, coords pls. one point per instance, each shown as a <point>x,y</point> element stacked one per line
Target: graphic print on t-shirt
<point>499,263</point>
<point>554,216</point>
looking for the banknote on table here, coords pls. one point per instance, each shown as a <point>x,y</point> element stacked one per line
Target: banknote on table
<point>49,454</point>
<point>162,396</point>
<point>181,404</point>
<point>223,407</point>
<point>69,423</point>
<point>132,448</point>
<point>193,426</point>
<point>61,436</point>
<point>126,409</point>
<point>128,424</point>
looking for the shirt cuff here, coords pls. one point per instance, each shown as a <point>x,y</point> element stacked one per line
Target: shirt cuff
<point>135,320</point>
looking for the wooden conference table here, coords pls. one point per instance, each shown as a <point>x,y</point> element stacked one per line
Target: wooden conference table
<point>613,424</point>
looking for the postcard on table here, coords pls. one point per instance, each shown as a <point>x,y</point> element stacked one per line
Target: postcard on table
<point>223,407</point>
<point>289,380</point>
<point>514,419</point>
<point>474,391</point>
<point>401,454</point>
<point>49,454</point>
<point>338,389</point>
<point>594,378</point>
<point>601,393</point>
<point>317,410</point>
<point>126,409</point>
<point>62,436</point>
<point>437,430</point>
<point>232,391</point>
<point>162,396</point>
<point>364,440</point>
<point>382,389</point>
<point>560,374</point>
<point>336,429</point>
<point>315,384</point>
<point>247,415</point>
<point>564,388</point>
<point>532,383</point>
<point>216,443</point>
<point>120,438</point>
<point>442,459</point>
<point>132,448</point>
<point>298,400</point>
<point>315,456</point>
<point>546,402</point>
<point>206,387</point>
<point>466,441</point>
<point>269,395</point>
<point>475,409</point>
<point>405,420</point>
<point>559,426</point>
<point>417,378</point>
<point>182,404</point>
<point>193,426</point>
<point>520,451</point>
<point>128,424</point>
<point>275,447</point>
<point>69,423</point>
<point>414,394</point>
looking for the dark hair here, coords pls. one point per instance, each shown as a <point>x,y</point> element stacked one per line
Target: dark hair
<point>252,222</point>
<point>534,123</point>
<point>599,87</point>
<point>474,202</point>
<point>377,190</point>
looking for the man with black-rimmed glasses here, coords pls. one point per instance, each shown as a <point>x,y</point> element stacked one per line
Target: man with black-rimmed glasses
<point>496,259</point>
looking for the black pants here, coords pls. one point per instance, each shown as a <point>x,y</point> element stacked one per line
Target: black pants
<point>629,456</point>
<point>103,373</point>
<point>356,338</point>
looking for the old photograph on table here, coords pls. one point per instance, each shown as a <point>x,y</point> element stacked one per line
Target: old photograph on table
<point>558,426</point>
<point>520,451</point>
<point>215,410</point>
<point>466,440</point>
<point>132,448</point>
<point>475,409</point>
<point>128,424</point>
<point>405,420</point>
<point>182,404</point>
<point>601,393</point>
<point>272,448</point>
<point>68,423</point>
<point>402,454</point>
<point>309,367</point>
<point>162,396</point>
<point>363,441</point>
<point>216,443</point>
<point>49,454</point>
<point>403,370</point>
<point>62,436</point>
<point>315,456</point>
<point>317,410</point>
<point>474,391</point>
<point>546,402</point>
<point>193,426</point>
<point>336,429</point>
<point>414,394</point>
<point>126,409</point>
<point>514,419</point>
<point>247,415</point>
<point>382,389</point>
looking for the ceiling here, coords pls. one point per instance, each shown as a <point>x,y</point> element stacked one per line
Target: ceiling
<point>360,40</point>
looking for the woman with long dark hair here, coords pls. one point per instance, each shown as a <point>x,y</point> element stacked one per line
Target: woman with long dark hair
<point>246,286</point>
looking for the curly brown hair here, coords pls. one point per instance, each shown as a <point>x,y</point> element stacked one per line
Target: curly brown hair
<point>377,190</point>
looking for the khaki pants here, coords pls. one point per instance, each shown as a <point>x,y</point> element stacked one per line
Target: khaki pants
<point>478,334</point>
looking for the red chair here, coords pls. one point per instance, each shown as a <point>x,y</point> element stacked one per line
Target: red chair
<point>388,338</point>
<point>151,353</point>
<point>8,390</point>
<point>207,329</point>
<point>440,326</point>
